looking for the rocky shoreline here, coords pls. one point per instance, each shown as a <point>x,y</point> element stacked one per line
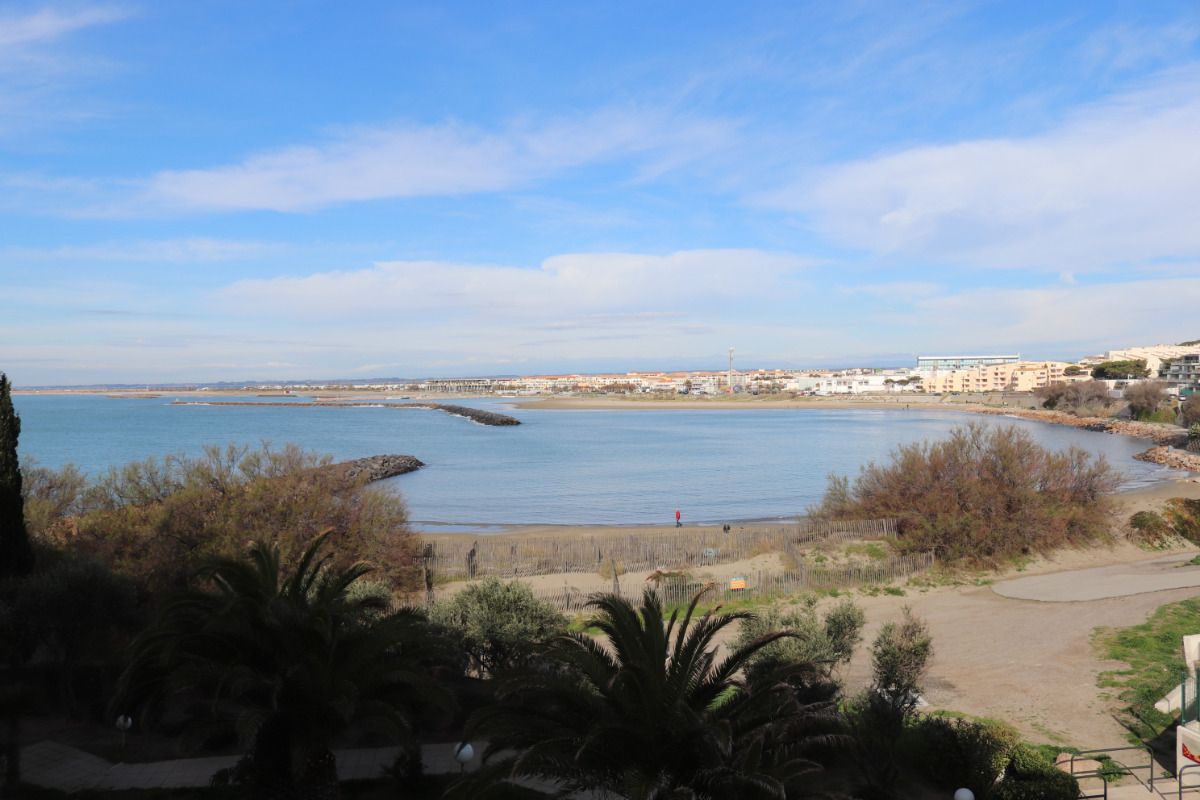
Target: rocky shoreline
<point>1171,458</point>
<point>1165,439</point>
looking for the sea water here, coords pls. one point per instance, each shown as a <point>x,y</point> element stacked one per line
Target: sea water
<point>571,467</point>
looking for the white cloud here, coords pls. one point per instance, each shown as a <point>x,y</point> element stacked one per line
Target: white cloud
<point>48,24</point>
<point>1056,317</point>
<point>195,249</point>
<point>449,159</point>
<point>36,66</point>
<point>565,285</point>
<point>1115,185</point>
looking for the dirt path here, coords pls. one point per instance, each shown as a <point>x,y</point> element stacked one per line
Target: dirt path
<point>1027,662</point>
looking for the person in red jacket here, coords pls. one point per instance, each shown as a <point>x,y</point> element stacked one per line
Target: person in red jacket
<point>678,524</point>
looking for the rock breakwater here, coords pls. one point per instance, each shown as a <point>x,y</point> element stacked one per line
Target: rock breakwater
<point>473,414</point>
<point>378,468</point>
<point>1171,458</point>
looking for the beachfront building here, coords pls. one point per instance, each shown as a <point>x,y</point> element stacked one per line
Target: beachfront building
<point>1018,376</point>
<point>935,364</point>
<point>1154,355</point>
<point>1182,374</point>
<point>875,383</point>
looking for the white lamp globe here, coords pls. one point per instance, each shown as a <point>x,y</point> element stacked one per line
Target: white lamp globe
<point>464,753</point>
<point>964,794</point>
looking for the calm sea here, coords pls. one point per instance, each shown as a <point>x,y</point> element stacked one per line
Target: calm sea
<point>559,467</point>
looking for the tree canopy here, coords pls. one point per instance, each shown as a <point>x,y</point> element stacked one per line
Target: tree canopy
<point>654,714</point>
<point>287,659</point>
<point>1120,370</point>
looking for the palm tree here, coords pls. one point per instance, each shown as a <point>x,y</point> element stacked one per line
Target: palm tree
<point>653,713</point>
<point>287,663</point>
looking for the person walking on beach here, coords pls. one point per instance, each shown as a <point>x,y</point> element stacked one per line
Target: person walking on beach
<point>678,523</point>
<point>726,528</point>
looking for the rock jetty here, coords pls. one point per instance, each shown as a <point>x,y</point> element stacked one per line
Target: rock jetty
<point>473,414</point>
<point>378,468</point>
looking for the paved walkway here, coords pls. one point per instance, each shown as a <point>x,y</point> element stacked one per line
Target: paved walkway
<point>1098,583</point>
<point>68,769</point>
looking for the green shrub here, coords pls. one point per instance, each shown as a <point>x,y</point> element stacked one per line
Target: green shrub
<point>1030,777</point>
<point>1183,516</point>
<point>1148,527</point>
<point>496,625</point>
<point>958,752</point>
<point>830,643</point>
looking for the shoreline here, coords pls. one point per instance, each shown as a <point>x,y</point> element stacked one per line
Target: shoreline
<point>1128,501</point>
<point>1158,436</point>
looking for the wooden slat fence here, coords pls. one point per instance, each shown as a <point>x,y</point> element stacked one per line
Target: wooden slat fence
<point>758,585</point>
<point>527,556</point>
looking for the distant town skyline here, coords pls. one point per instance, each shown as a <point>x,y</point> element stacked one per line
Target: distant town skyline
<point>228,192</point>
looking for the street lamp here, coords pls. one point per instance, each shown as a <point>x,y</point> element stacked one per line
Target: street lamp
<point>464,753</point>
<point>964,794</point>
<point>124,723</point>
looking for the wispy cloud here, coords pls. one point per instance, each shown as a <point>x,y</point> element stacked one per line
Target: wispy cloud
<point>1115,185</point>
<point>48,24</point>
<point>1055,319</point>
<point>565,285</point>
<point>197,249</point>
<point>424,160</point>
<point>35,65</point>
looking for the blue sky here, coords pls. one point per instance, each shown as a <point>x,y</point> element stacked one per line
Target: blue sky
<point>288,190</point>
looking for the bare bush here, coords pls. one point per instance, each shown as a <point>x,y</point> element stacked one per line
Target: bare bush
<point>1147,398</point>
<point>1084,398</point>
<point>155,521</point>
<point>1190,411</point>
<point>982,495</point>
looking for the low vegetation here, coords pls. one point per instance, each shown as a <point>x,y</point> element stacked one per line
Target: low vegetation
<point>1179,521</point>
<point>827,643</point>
<point>1189,412</point>
<point>1149,402</point>
<point>1083,399</point>
<point>155,521</point>
<point>1155,657</point>
<point>984,495</point>
<point>496,626</point>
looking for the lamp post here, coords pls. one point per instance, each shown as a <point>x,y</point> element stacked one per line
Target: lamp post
<point>964,794</point>
<point>731,370</point>
<point>124,723</point>
<point>465,752</point>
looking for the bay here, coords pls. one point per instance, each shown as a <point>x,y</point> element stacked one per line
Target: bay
<point>569,467</point>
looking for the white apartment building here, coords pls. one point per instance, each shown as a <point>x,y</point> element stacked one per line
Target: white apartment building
<point>1021,376</point>
<point>1152,355</point>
